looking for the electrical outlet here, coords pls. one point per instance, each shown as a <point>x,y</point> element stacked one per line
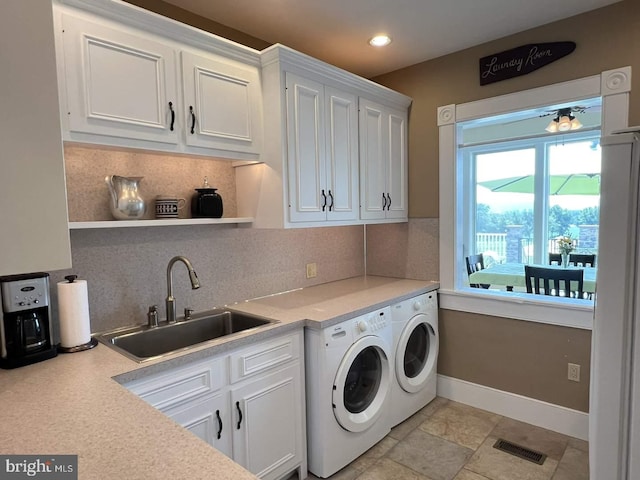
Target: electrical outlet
<point>312,270</point>
<point>573,373</point>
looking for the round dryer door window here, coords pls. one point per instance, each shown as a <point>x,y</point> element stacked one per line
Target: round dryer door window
<point>416,354</point>
<point>361,385</point>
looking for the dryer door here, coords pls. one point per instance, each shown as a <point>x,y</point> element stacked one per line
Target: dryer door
<point>361,385</point>
<point>416,353</point>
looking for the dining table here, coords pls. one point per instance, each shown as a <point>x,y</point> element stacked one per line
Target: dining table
<point>512,275</point>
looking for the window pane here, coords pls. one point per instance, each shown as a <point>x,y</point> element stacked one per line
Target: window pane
<point>574,194</point>
<point>504,205</point>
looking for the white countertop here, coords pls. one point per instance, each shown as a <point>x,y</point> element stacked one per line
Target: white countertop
<point>72,405</point>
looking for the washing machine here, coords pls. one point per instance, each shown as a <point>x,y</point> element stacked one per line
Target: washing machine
<point>415,350</point>
<point>348,376</point>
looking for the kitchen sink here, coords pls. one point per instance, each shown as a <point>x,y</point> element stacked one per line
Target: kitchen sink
<point>143,343</point>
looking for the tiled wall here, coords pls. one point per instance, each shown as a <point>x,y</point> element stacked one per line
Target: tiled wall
<point>164,174</point>
<point>404,250</point>
<point>125,268</point>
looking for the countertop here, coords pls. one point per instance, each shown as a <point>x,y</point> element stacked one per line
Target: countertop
<point>71,404</point>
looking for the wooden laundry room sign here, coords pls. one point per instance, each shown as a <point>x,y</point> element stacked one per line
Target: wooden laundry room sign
<point>521,60</point>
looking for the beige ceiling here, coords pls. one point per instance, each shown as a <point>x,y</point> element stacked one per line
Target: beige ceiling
<point>337,31</point>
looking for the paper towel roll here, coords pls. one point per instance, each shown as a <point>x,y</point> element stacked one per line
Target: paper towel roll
<point>73,312</point>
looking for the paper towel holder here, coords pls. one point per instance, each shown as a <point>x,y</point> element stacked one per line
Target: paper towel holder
<point>78,348</point>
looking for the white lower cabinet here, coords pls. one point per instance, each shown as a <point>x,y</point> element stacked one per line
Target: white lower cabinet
<point>209,419</point>
<point>266,425</point>
<point>248,404</point>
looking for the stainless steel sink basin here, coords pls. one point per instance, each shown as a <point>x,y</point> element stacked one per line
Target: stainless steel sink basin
<point>142,343</point>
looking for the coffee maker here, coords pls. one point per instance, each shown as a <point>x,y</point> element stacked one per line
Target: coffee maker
<point>26,335</point>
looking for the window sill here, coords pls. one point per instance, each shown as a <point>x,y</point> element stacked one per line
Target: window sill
<point>520,306</point>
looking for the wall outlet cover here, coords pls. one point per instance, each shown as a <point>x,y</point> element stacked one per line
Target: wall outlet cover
<point>312,270</point>
<point>573,372</point>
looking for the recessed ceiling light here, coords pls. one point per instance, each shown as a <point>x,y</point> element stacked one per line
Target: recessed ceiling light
<point>380,41</point>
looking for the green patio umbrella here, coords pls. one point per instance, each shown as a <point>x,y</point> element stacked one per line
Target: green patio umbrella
<point>569,184</point>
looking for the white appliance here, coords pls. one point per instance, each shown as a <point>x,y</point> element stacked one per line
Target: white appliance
<point>415,340</point>
<point>614,412</point>
<point>348,375</point>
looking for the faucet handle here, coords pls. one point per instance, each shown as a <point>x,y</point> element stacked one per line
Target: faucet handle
<point>187,313</point>
<point>152,316</point>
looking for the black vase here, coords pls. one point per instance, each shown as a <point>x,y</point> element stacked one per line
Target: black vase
<point>206,203</point>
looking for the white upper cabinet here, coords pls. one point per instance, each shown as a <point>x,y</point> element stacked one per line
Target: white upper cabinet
<point>222,104</point>
<point>383,162</point>
<point>119,84</point>
<point>322,151</point>
<point>313,162</point>
<point>133,79</point>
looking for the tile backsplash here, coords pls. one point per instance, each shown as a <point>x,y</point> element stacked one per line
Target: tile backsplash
<point>405,250</point>
<point>86,167</point>
<point>126,268</point>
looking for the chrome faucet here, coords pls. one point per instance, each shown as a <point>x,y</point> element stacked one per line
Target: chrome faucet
<point>171,301</point>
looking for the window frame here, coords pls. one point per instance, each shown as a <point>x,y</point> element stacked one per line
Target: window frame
<point>614,87</point>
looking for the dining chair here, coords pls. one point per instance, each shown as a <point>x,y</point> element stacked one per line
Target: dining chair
<point>551,279</point>
<point>475,263</point>
<point>582,259</point>
<point>555,259</point>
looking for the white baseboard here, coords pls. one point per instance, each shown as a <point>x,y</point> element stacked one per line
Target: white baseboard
<point>529,410</point>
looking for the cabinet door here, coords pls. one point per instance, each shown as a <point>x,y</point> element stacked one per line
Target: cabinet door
<point>306,149</point>
<point>222,104</point>
<point>208,419</point>
<point>397,180</point>
<point>34,235</point>
<point>373,160</point>
<point>118,83</point>
<point>268,423</point>
<point>341,111</point>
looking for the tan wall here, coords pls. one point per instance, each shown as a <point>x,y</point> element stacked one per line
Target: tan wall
<point>184,16</point>
<point>522,357</point>
<point>606,38</point>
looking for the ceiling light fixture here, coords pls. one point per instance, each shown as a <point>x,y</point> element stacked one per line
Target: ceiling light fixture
<point>380,41</point>
<point>564,122</point>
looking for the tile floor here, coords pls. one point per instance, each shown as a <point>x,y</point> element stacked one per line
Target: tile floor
<point>450,441</point>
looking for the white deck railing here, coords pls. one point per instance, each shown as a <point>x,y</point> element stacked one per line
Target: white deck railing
<point>492,244</point>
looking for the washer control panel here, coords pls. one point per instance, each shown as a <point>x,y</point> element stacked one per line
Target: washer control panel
<point>370,323</point>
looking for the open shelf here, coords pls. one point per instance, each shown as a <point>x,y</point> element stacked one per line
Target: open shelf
<point>169,222</point>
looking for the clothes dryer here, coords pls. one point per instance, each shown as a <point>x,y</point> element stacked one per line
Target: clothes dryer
<point>416,344</point>
<point>348,375</point>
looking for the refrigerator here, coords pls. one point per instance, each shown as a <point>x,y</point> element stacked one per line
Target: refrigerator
<point>614,411</point>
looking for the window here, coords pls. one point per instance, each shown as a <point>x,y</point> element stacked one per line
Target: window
<point>523,195</point>
<point>459,180</point>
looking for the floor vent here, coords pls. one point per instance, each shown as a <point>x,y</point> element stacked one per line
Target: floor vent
<point>518,451</point>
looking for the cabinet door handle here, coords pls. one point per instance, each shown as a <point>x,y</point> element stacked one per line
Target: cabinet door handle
<point>239,414</point>
<point>384,201</point>
<point>389,202</point>
<point>219,423</point>
<point>331,197</point>
<point>193,119</point>
<point>173,116</point>
<point>324,200</point>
